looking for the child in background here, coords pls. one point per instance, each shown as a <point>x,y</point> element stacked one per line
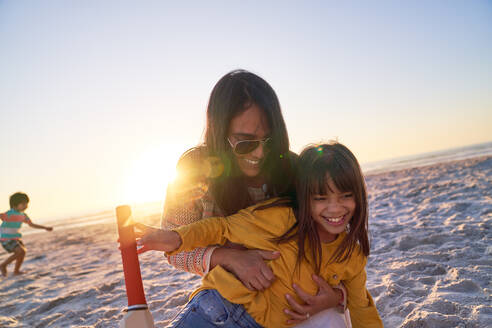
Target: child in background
<point>10,237</point>
<point>323,232</point>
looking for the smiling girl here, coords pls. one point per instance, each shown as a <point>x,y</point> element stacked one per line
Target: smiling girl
<point>323,232</point>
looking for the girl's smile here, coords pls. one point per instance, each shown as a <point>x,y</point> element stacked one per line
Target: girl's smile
<point>336,221</point>
<point>332,211</point>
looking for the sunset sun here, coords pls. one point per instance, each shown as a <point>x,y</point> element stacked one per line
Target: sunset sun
<point>149,174</point>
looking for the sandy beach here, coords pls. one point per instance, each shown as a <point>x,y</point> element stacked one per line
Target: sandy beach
<point>430,262</point>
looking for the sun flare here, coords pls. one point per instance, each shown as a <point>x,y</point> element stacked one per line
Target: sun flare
<point>149,175</point>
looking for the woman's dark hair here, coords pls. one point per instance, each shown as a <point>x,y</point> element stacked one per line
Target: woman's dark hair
<point>316,164</point>
<point>234,93</point>
<point>18,198</point>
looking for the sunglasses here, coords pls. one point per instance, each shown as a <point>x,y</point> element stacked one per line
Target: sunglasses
<point>244,147</point>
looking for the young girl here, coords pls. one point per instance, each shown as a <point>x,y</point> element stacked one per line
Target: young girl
<point>323,231</point>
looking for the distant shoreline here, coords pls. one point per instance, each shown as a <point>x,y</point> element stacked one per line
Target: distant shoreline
<point>429,158</point>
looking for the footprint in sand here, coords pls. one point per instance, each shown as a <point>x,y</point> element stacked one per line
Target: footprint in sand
<point>463,286</point>
<point>8,322</point>
<point>419,319</point>
<point>106,288</point>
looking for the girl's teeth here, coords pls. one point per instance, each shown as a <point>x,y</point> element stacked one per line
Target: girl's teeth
<point>252,162</point>
<point>335,219</point>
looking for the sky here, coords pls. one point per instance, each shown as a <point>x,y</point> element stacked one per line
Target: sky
<point>98,99</point>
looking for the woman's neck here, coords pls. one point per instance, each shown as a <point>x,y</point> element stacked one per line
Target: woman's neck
<point>255,182</point>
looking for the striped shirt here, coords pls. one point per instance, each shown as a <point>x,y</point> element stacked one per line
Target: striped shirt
<point>12,222</point>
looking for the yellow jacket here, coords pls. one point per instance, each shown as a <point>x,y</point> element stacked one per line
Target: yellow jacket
<point>255,229</point>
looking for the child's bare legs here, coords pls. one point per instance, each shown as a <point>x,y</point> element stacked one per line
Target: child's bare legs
<point>18,256</point>
<point>3,267</point>
<point>21,251</point>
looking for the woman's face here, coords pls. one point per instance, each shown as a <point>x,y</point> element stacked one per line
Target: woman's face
<point>252,124</point>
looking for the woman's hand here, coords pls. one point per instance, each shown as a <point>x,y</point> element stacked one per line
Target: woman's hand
<point>326,298</point>
<point>247,265</point>
<point>150,238</point>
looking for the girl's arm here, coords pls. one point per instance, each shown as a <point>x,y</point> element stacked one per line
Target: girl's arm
<point>239,228</point>
<point>194,235</point>
<point>156,239</point>
<point>363,312</point>
<point>204,232</point>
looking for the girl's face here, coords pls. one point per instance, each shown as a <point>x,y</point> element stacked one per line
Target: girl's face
<point>252,124</point>
<point>332,212</point>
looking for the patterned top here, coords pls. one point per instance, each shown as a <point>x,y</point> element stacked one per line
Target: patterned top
<point>188,200</point>
<point>12,222</point>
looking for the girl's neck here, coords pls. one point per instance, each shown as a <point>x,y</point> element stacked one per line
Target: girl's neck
<point>326,237</point>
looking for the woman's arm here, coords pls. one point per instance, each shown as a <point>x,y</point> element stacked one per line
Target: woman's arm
<point>196,261</point>
<point>184,205</point>
<point>186,202</point>
<point>326,297</point>
<point>247,265</point>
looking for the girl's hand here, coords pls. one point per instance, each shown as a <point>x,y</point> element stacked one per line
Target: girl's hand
<point>248,266</point>
<point>326,298</point>
<point>150,238</point>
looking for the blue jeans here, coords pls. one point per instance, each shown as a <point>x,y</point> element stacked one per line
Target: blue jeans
<point>209,309</point>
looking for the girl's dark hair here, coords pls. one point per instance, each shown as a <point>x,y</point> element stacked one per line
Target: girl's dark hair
<point>18,198</point>
<point>316,163</point>
<point>233,94</point>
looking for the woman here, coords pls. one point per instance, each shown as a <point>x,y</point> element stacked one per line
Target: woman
<point>245,159</point>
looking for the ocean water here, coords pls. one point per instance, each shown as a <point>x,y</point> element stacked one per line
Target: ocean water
<point>448,155</point>
<point>142,210</point>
